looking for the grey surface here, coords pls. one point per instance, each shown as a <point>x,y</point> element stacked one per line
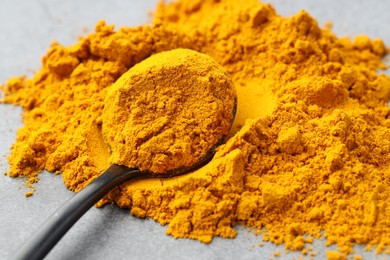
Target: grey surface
<point>26,30</point>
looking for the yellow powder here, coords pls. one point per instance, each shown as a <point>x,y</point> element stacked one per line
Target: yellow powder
<point>31,191</point>
<point>309,150</point>
<point>168,111</point>
<point>333,255</point>
<point>250,107</point>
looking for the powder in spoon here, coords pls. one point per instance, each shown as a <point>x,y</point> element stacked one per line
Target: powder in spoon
<point>168,111</point>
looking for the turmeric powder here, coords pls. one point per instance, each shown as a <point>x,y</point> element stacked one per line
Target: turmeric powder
<point>309,150</point>
<point>168,111</point>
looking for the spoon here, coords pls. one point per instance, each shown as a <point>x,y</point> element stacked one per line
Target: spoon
<point>42,241</point>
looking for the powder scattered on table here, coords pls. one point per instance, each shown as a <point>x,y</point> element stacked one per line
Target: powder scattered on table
<point>309,150</point>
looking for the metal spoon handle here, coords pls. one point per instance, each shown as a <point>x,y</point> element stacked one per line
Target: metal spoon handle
<point>42,241</point>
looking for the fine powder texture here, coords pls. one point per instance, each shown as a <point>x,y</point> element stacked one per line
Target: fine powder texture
<point>168,112</point>
<point>309,150</point>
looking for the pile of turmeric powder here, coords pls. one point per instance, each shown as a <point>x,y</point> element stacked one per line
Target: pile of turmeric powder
<point>309,150</point>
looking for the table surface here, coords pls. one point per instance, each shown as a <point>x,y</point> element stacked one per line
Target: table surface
<point>27,29</point>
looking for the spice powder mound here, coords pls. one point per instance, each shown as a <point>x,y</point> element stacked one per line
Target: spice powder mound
<point>309,150</point>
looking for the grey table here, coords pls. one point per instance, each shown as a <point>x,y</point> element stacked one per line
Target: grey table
<point>26,30</point>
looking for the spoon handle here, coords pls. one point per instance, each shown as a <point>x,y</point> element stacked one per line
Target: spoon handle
<point>42,241</point>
